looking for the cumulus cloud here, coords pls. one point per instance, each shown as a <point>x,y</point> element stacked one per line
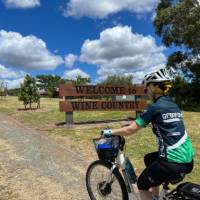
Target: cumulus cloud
<point>10,77</point>
<point>7,73</point>
<point>70,59</point>
<point>27,52</point>
<point>21,3</point>
<point>120,51</point>
<point>101,9</point>
<point>15,83</point>
<point>73,74</point>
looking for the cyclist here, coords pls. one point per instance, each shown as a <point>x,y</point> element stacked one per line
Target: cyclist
<point>175,155</point>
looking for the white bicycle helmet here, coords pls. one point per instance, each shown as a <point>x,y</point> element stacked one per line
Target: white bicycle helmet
<point>159,76</point>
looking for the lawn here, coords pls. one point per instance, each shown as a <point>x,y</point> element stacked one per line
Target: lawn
<point>81,136</point>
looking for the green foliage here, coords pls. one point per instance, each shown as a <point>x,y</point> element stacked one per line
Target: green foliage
<point>180,91</point>
<point>195,96</point>
<point>118,80</point>
<point>49,83</point>
<point>29,92</point>
<point>79,80</point>
<point>185,93</point>
<point>14,92</point>
<point>178,23</point>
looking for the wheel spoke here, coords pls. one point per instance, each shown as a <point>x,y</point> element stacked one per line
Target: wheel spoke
<point>98,176</point>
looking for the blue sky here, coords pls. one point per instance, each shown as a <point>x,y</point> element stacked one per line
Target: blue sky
<point>78,37</point>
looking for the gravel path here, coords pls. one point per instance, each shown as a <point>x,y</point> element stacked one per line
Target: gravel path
<point>34,166</point>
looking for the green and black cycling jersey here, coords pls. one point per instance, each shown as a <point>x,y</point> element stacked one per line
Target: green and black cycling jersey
<point>168,126</point>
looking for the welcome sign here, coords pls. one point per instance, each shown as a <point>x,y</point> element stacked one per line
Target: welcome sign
<point>69,105</point>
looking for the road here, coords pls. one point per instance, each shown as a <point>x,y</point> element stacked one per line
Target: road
<point>33,166</point>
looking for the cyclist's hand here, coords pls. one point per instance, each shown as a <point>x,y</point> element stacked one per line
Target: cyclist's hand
<point>106,133</point>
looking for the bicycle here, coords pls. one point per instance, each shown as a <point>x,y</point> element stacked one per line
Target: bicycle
<point>112,176</point>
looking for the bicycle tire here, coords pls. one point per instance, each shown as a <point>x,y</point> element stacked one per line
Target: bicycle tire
<point>118,177</point>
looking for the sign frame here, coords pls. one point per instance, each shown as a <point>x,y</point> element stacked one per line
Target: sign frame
<point>73,92</point>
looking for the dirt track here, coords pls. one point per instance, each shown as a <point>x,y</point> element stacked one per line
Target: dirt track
<point>33,166</point>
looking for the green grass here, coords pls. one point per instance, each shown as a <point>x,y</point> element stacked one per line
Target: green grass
<point>81,136</point>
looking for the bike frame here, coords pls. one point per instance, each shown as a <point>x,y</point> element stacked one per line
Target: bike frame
<point>120,164</point>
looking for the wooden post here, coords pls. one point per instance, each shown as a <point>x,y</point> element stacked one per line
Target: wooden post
<point>69,120</point>
<point>137,112</point>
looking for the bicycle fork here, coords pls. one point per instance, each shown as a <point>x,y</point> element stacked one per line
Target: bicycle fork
<point>110,177</point>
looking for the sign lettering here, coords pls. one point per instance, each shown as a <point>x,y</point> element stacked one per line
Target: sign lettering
<point>67,106</point>
<point>99,90</point>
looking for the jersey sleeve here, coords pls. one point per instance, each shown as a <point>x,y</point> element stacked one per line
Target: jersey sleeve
<point>145,117</point>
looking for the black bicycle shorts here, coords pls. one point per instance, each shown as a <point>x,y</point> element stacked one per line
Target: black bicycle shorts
<point>158,171</point>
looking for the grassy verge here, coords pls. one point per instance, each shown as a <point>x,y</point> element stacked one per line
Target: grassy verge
<point>81,136</point>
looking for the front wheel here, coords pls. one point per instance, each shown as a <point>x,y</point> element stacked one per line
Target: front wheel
<point>97,175</point>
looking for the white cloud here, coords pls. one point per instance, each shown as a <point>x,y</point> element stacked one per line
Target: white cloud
<point>7,73</point>
<point>153,16</point>
<point>102,8</point>
<point>70,59</point>
<point>22,3</point>
<point>197,3</point>
<point>120,51</point>
<point>12,78</point>
<point>27,52</point>
<point>73,74</point>
<point>12,84</point>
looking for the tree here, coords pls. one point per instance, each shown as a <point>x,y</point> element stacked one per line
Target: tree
<point>118,80</point>
<point>49,83</point>
<point>178,23</point>
<point>29,92</point>
<point>195,95</point>
<point>3,89</point>
<point>79,80</point>
<point>13,92</point>
<point>181,91</point>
